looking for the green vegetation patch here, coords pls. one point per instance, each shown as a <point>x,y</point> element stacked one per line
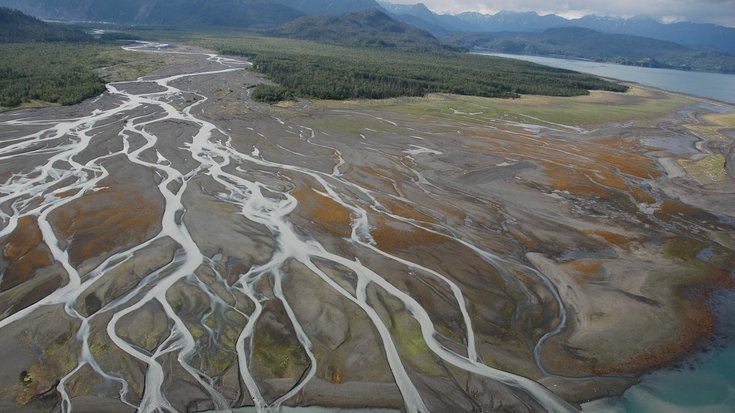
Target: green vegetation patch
<point>708,170</point>
<point>316,70</point>
<point>271,93</point>
<point>280,355</point>
<point>598,108</point>
<point>56,73</point>
<point>18,27</point>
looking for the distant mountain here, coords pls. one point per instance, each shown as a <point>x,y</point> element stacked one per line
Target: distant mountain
<point>418,15</point>
<point>593,45</point>
<point>507,21</point>
<point>366,28</point>
<point>18,27</point>
<point>237,13</point>
<point>329,7</point>
<point>694,35</point>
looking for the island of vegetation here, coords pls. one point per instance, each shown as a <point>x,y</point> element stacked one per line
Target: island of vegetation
<point>44,64</point>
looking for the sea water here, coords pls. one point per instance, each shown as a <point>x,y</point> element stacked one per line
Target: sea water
<point>718,86</point>
<point>705,383</point>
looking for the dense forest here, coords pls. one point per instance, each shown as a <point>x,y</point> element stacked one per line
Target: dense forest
<point>48,63</point>
<point>55,73</point>
<point>315,70</point>
<point>61,73</point>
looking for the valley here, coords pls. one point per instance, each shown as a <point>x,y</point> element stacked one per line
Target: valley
<point>173,245</point>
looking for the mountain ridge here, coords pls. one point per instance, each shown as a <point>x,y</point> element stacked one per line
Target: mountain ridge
<point>695,35</point>
<point>372,28</point>
<point>329,7</point>
<point>583,43</point>
<point>16,26</point>
<point>237,13</point>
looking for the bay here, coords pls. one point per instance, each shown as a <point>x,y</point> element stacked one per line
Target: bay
<point>716,86</point>
<point>705,383</point>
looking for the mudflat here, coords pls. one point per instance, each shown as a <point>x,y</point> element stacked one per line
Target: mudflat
<point>172,245</point>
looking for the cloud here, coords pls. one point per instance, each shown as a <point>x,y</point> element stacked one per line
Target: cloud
<point>703,11</point>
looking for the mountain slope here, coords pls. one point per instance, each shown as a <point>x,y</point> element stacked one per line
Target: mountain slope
<point>18,27</point>
<point>366,28</point>
<point>329,7</point>
<point>506,21</point>
<point>418,15</point>
<point>697,35</point>
<point>238,13</point>
<point>594,45</point>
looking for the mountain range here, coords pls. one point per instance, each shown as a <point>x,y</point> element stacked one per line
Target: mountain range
<point>236,13</point>
<point>272,14</point>
<point>694,35</point>
<point>368,28</point>
<point>330,7</point>
<point>576,42</point>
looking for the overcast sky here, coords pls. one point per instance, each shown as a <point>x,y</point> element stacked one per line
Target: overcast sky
<point>703,11</point>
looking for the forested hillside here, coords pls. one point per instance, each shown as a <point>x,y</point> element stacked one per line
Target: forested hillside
<point>18,27</point>
<point>371,28</point>
<point>237,13</point>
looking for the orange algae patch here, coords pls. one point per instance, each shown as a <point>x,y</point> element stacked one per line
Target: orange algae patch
<point>396,236</point>
<point>26,253</point>
<point>672,208</point>
<point>107,220</point>
<point>606,166</point>
<point>612,238</point>
<point>405,211</point>
<point>586,271</point>
<point>372,179</point>
<point>453,212</point>
<point>528,240</point>
<point>67,194</point>
<point>325,211</point>
<point>642,196</point>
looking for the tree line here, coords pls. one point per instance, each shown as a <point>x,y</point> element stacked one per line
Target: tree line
<point>315,70</point>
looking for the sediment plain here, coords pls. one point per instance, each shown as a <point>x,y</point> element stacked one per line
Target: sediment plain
<point>174,246</point>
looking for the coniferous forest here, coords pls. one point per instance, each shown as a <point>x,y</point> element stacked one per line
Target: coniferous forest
<point>47,67</point>
<point>51,72</point>
<point>315,70</point>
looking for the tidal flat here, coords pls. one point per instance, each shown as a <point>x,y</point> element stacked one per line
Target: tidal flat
<point>172,245</point>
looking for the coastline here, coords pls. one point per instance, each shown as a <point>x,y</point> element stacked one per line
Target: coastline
<point>717,86</point>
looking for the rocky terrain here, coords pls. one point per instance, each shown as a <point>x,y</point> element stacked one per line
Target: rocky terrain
<point>173,246</point>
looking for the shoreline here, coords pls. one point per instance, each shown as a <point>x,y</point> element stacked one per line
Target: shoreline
<point>631,77</point>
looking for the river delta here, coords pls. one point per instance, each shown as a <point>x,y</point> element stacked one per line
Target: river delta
<point>172,245</point>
